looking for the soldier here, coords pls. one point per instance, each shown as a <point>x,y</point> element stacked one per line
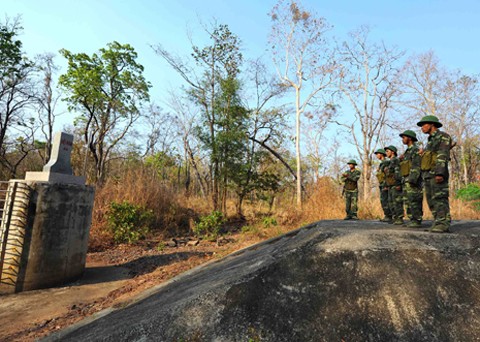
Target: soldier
<point>394,183</point>
<point>434,166</point>
<point>381,155</point>
<point>350,188</point>
<point>412,179</point>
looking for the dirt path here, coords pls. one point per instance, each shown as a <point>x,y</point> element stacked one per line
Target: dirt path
<point>111,278</point>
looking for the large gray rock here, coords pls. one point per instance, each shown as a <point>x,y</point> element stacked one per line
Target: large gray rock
<point>330,281</point>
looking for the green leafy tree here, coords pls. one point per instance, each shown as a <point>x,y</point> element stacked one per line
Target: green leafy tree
<point>108,88</point>
<point>17,93</point>
<point>213,86</point>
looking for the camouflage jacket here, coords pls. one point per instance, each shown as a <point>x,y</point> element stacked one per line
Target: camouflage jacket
<point>393,172</point>
<point>412,154</point>
<point>381,170</point>
<point>350,179</point>
<point>441,143</point>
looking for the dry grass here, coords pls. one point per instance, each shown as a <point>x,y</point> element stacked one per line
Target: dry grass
<point>462,210</point>
<point>140,187</point>
<point>175,212</point>
<point>324,203</point>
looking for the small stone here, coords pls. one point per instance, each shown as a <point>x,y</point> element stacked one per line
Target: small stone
<point>172,243</point>
<point>193,243</point>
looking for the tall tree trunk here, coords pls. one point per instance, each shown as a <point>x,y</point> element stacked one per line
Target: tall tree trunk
<point>297,147</point>
<point>367,180</point>
<point>464,164</point>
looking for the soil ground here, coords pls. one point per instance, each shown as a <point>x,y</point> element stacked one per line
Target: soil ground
<point>111,279</point>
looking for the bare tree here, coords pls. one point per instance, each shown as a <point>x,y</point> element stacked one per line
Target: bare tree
<point>368,82</point>
<point>315,130</point>
<point>47,99</point>
<point>160,125</point>
<point>462,114</point>
<point>185,122</point>
<point>303,62</point>
<point>423,85</point>
<point>430,89</point>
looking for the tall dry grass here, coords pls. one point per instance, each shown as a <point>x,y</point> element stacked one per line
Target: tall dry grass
<point>324,203</point>
<point>174,212</point>
<point>139,186</point>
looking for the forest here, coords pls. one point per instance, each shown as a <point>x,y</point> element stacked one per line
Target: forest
<point>243,144</point>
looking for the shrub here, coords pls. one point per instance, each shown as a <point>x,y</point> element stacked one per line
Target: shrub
<point>269,221</point>
<point>209,226</point>
<point>128,222</point>
<point>469,193</point>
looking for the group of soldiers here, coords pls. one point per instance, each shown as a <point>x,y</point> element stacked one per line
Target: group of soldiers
<point>403,179</point>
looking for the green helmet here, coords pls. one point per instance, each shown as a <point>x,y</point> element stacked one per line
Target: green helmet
<point>391,148</point>
<point>351,161</point>
<point>430,119</point>
<point>381,151</point>
<point>409,133</point>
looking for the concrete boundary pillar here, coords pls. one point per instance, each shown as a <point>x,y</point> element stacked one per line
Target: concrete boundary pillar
<point>48,235</point>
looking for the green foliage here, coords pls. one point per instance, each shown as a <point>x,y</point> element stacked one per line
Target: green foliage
<point>11,60</point>
<point>161,246</point>
<point>128,222</point>
<point>469,193</point>
<point>163,163</point>
<point>269,221</point>
<point>110,82</point>
<point>107,88</point>
<point>209,226</point>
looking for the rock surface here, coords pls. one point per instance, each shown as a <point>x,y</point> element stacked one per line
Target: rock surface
<point>329,281</point>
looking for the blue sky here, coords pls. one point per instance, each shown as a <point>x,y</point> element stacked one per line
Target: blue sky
<point>450,28</point>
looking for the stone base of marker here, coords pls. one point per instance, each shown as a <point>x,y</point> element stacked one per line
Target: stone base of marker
<point>48,246</point>
<point>54,177</point>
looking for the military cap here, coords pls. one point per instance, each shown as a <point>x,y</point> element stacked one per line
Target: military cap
<point>430,119</point>
<point>351,161</point>
<point>409,133</point>
<point>391,148</point>
<point>381,150</point>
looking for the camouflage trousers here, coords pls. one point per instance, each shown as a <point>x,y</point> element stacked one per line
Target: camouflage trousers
<point>384,202</point>
<point>437,198</point>
<point>395,201</point>
<point>413,199</point>
<point>351,203</point>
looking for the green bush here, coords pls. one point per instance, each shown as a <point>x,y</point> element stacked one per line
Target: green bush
<point>128,222</point>
<point>209,226</point>
<point>469,193</point>
<point>269,221</point>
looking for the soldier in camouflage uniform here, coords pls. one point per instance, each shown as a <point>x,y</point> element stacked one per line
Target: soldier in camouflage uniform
<point>434,166</point>
<point>381,155</point>
<point>350,179</point>
<point>394,183</point>
<point>412,179</point>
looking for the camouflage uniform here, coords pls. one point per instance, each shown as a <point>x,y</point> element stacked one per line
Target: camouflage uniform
<point>395,195</point>
<point>350,179</point>
<point>437,194</point>
<point>383,188</point>
<point>412,184</point>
